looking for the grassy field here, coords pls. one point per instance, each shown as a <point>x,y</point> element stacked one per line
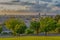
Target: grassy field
<point>33,38</point>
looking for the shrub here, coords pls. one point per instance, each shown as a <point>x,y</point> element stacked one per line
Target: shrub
<point>29,31</point>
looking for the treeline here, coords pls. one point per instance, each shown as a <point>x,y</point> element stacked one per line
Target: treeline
<point>43,25</point>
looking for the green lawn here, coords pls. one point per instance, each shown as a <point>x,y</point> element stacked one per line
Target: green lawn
<point>33,38</point>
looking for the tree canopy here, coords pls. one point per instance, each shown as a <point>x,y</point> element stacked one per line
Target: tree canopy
<point>16,25</point>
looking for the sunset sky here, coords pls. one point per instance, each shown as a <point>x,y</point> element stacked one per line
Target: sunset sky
<point>10,0</point>
<point>21,0</point>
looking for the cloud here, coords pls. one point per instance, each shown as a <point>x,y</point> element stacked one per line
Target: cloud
<point>5,0</point>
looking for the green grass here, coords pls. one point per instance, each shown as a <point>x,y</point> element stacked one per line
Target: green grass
<point>33,38</point>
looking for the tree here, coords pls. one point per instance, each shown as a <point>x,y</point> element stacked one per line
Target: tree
<point>57,17</point>
<point>58,26</point>
<point>47,24</point>
<point>20,29</point>
<point>35,25</point>
<point>1,29</point>
<point>17,26</point>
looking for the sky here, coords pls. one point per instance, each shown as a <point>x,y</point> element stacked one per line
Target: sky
<point>5,0</point>
<point>21,0</point>
<point>11,0</point>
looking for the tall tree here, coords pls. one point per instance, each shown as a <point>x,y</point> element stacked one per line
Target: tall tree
<point>35,25</point>
<point>58,26</point>
<point>47,24</point>
<point>17,26</point>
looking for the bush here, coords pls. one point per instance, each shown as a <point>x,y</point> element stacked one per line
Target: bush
<point>29,31</point>
<point>4,33</point>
